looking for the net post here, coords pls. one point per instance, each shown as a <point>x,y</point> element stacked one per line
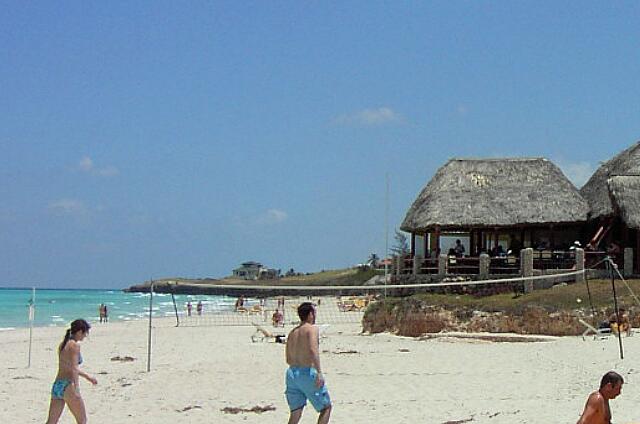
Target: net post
<point>150,322</point>
<point>610,265</point>
<point>32,315</point>
<point>175,308</point>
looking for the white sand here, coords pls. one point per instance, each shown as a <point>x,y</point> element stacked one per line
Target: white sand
<point>433,381</point>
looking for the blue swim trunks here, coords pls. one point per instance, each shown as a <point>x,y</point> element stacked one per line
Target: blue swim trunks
<point>301,386</point>
<point>59,386</point>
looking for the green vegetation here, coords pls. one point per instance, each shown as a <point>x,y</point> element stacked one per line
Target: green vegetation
<point>553,299</point>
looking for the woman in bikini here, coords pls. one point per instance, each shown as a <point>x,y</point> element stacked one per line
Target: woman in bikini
<point>65,388</point>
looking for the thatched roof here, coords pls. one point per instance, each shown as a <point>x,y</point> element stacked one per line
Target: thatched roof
<point>496,193</point>
<point>625,194</point>
<point>596,190</point>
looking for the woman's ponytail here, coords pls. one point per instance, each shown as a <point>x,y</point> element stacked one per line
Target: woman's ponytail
<point>67,336</point>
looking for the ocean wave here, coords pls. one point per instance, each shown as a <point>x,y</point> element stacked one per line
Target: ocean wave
<point>7,328</point>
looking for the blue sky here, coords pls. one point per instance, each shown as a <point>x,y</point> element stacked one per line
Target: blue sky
<point>154,139</point>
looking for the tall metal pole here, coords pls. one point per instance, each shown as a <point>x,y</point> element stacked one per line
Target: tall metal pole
<point>150,321</point>
<point>32,316</point>
<point>386,233</point>
<point>611,264</point>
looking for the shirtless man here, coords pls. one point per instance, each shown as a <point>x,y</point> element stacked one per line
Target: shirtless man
<point>304,379</point>
<point>597,411</point>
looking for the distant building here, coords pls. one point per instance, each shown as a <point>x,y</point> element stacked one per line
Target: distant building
<point>255,271</point>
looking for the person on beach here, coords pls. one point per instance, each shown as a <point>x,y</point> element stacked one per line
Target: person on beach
<point>199,307</point>
<point>189,309</point>
<point>239,303</point>
<point>277,319</point>
<point>65,388</point>
<point>624,326</point>
<point>101,312</point>
<point>304,379</point>
<point>597,410</point>
<point>105,311</point>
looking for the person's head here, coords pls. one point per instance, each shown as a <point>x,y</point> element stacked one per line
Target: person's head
<point>458,241</point>
<point>611,385</point>
<point>78,330</point>
<point>307,312</point>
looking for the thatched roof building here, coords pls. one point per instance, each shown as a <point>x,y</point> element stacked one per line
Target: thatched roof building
<point>492,193</point>
<point>614,189</point>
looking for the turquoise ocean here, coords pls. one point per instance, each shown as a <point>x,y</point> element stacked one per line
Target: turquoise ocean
<point>60,307</point>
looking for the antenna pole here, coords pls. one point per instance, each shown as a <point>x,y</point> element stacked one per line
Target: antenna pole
<point>386,233</point>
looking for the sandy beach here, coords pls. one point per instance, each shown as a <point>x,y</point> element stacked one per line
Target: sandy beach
<point>198,371</point>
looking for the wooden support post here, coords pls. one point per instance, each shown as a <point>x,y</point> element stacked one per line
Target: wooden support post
<point>413,244</point>
<point>636,254</point>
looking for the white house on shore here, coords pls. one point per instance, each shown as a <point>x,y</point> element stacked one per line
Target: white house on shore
<point>255,271</point>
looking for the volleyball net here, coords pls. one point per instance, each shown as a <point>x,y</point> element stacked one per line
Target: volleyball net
<point>276,306</point>
<point>276,311</point>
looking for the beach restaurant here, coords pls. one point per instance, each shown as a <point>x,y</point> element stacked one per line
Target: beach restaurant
<point>613,196</point>
<point>497,207</point>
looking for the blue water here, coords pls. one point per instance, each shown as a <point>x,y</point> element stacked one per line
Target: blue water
<point>60,307</point>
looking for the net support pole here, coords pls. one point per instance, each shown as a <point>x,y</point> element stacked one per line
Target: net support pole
<point>593,310</point>
<point>615,304</point>
<point>175,308</point>
<point>32,313</point>
<point>150,324</point>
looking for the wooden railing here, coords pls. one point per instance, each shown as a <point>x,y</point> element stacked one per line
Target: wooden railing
<point>553,259</point>
<point>465,265</point>
<point>504,265</point>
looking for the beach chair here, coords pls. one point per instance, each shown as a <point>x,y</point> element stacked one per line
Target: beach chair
<point>255,310</point>
<point>602,333</point>
<point>322,328</point>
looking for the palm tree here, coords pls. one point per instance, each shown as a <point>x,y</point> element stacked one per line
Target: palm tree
<point>373,260</point>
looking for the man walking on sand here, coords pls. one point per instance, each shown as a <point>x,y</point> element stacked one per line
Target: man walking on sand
<point>304,379</point>
<point>597,411</point>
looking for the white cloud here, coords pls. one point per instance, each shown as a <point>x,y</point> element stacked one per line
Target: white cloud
<point>274,216</point>
<point>370,117</point>
<point>86,165</point>
<point>578,172</point>
<point>269,217</point>
<point>72,207</point>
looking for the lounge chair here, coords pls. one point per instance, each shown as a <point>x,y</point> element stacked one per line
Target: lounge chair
<point>597,332</point>
<point>255,309</point>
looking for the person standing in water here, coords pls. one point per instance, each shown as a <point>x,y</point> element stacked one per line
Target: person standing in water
<point>65,390</point>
